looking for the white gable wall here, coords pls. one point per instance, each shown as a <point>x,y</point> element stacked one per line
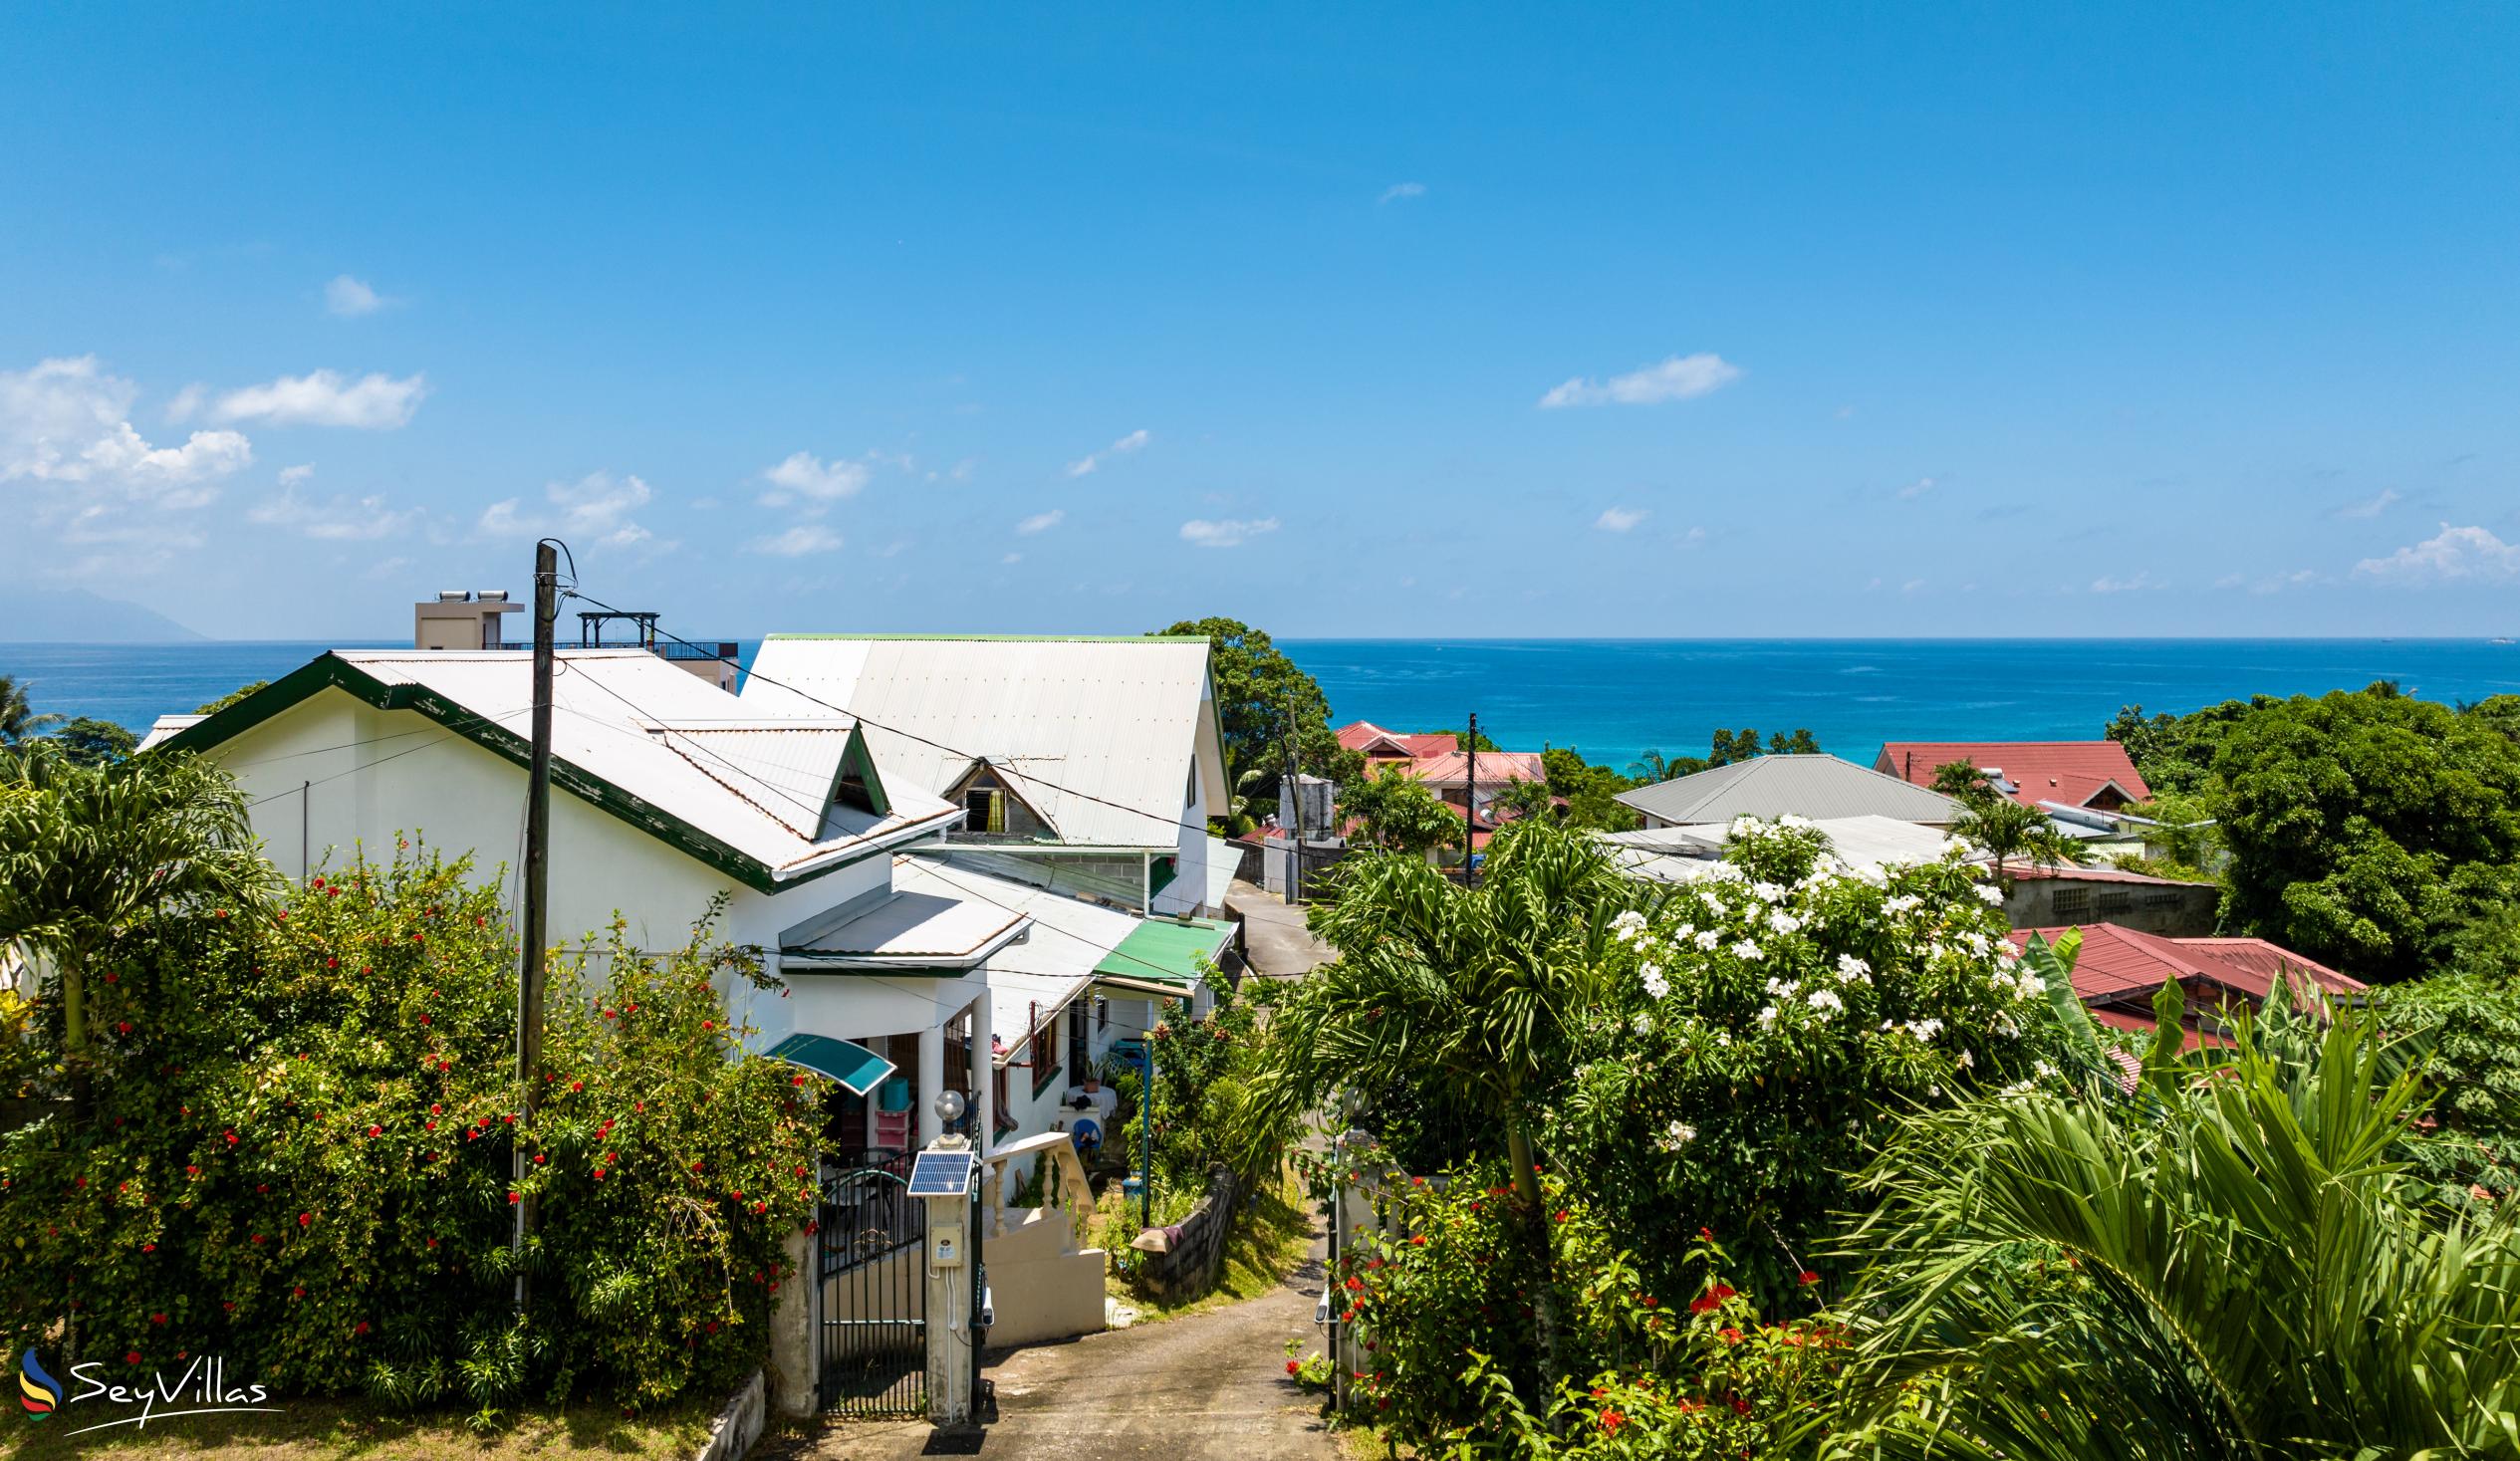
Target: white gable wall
<point>375,774</point>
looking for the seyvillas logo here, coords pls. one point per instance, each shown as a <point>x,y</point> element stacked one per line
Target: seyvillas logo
<point>201,1388</point>
<point>39,1392</point>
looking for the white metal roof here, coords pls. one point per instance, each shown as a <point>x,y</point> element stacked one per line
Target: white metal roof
<point>938,927</point>
<point>167,725</point>
<point>1819,787</point>
<point>757,780</point>
<point>1686,853</point>
<point>1097,735</point>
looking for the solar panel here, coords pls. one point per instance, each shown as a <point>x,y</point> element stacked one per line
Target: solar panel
<point>941,1174</point>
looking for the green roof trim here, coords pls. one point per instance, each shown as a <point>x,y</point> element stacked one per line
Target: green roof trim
<point>329,672</point>
<point>1167,950</point>
<point>858,1070</point>
<point>856,757</point>
<point>1017,638</point>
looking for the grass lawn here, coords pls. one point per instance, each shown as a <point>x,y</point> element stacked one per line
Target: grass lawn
<point>318,1431</point>
<point>1272,1228</point>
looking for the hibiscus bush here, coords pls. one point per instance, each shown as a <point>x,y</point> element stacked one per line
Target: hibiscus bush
<point>1442,1297</point>
<point>299,1157</point>
<point>1767,1027</point>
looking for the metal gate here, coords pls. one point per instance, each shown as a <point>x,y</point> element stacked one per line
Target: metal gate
<point>874,1293</point>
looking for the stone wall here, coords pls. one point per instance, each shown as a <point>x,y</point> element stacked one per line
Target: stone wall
<point>1179,1263</point>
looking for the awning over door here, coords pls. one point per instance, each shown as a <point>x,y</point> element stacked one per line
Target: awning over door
<point>1168,951</point>
<point>855,1066</point>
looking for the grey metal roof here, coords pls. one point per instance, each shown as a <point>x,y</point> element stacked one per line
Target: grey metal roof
<point>1817,787</point>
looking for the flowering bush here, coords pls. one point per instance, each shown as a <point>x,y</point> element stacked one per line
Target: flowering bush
<point>299,1158</point>
<point>1201,1069</point>
<point>1442,1300</point>
<point>1767,1023</point>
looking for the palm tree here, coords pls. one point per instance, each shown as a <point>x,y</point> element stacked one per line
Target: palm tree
<point>1398,812</point>
<point>1471,992</point>
<point>1650,765</point>
<point>2229,1266</point>
<point>2008,830</point>
<point>18,721</point>
<point>86,853</point>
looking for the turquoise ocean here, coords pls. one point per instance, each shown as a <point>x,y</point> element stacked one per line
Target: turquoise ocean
<point>1608,698</point>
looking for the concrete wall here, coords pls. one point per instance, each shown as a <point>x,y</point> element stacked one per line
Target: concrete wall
<point>1181,1260</point>
<point>2171,909</point>
<point>1043,1285</point>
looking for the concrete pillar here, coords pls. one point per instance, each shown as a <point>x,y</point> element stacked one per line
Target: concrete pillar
<point>984,1108</point>
<point>931,1082</point>
<point>795,1362</point>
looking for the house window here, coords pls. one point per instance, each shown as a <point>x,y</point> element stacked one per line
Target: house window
<point>1079,1039</point>
<point>2115,901</point>
<point>1101,1014</point>
<point>990,807</point>
<point>1046,1054</point>
<point>2071,903</point>
<point>984,809</point>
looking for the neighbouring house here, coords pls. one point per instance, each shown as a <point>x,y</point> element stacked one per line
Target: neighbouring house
<point>2120,969</point>
<point>1086,765</point>
<point>2094,776</point>
<point>2044,897</point>
<point>1687,854</point>
<point>1817,785</point>
<point>1381,747</point>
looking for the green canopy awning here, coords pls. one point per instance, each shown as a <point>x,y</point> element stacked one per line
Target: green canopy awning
<point>855,1066</point>
<point>1167,950</point>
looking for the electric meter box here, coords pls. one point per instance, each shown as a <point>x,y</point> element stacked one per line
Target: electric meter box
<point>944,1247</point>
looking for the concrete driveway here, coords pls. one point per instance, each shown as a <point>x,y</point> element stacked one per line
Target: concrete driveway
<point>1209,1387</point>
<point>1281,947</point>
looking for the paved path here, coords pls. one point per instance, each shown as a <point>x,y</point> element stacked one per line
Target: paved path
<point>1209,1387</point>
<point>1281,946</point>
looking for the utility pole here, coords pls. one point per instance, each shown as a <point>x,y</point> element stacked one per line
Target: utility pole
<point>1295,780</point>
<point>529,979</point>
<point>1470,811</point>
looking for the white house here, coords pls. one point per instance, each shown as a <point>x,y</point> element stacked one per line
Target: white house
<point>668,794</point>
<point>1086,765</point>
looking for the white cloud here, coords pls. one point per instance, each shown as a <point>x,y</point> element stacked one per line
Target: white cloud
<point>1012,558</point>
<point>1401,190</point>
<point>373,403</point>
<point>2141,582</point>
<point>342,520</point>
<point>597,507</point>
<point>2451,556</point>
<point>89,475</point>
<point>2270,583</point>
<point>1041,522</point>
<point>1678,377</point>
<point>1228,533</point>
<point>1619,519</point>
<point>798,541</point>
<point>1692,537</point>
<point>292,476</point>
<point>187,404</point>
<point>1915,489</point>
<point>351,298</point>
<point>1133,441</point>
<point>2370,507</point>
<point>808,479</point>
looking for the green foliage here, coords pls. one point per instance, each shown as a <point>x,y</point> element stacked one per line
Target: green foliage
<point>1743,744</point>
<point>2367,830</point>
<point>1398,812</point>
<point>1203,1117</point>
<point>2009,832</point>
<point>2176,753</point>
<point>1520,801</point>
<point>1262,702</point>
<point>231,698</point>
<point>299,1158</point>
<point>1440,1294</point>
<point>1590,792</point>
<point>2466,1028</point>
<point>1751,1038</point>
<point>18,721</point>
<point>2232,1267</point>
<point>88,741</point>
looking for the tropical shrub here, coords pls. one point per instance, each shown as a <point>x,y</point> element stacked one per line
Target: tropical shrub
<point>2464,1031</point>
<point>1201,1067</point>
<point>1754,1037</point>
<point>300,1158</point>
<point>2230,1265</point>
<point>1442,1295</point>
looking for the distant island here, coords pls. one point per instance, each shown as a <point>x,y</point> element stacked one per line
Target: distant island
<point>77,616</point>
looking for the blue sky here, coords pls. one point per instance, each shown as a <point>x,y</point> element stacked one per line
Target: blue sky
<point>1348,320</point>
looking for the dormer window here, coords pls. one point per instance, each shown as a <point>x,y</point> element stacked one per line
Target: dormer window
<point>993,809</point>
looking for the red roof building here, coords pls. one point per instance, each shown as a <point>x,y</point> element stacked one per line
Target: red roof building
<point>1379,745</point>
<point>2094,774</point>
<point>2119,971</point>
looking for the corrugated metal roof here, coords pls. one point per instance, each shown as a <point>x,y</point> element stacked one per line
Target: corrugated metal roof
<point>1684,853</point>
<point>756,780</point>
<point>1819,787</point>
<point>165,726</point>
<point>1097,734</point>
<point>942,926</point>
<point>2071,772</point>
<point>1452,768</point>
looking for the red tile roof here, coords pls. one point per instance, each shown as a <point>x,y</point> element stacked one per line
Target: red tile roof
<point>1375,741</point>
<point>2071,772</point>
<point>2120,966</point>
<point>1497,768</point>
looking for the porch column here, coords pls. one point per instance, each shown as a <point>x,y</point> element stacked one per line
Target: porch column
<point>931,1082</point>
<point>983,1080</point>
